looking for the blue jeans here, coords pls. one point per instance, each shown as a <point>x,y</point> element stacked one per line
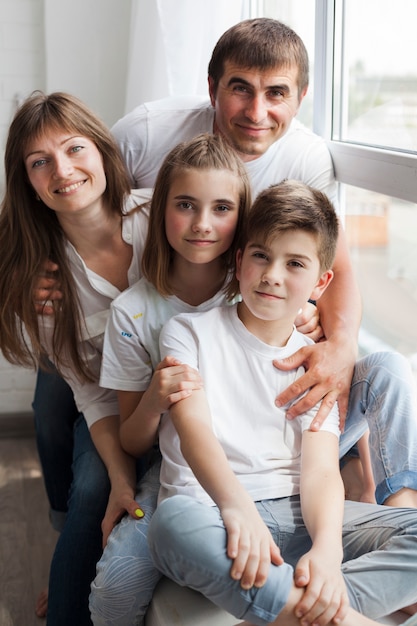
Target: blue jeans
<point>78,488</point>
<point>187,540</point>
<point>381,398</point>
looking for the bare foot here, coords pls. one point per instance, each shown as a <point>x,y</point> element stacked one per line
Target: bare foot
<point>42,603</point>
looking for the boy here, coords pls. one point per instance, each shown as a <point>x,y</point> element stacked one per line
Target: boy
<point>276,484</point>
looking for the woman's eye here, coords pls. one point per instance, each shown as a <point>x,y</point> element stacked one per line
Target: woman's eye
<point>38,163</point>
<point>76,148</point>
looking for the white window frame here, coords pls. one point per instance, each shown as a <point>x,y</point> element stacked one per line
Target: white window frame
<point>389,172</point>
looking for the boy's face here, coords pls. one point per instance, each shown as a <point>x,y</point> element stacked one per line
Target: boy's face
<point>278,277</point>
<point>254,108</point>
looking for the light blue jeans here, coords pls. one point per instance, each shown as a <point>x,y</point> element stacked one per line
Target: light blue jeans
<point>382,398</point>
<point>187,540</point>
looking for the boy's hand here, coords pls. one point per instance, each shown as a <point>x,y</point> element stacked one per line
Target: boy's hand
<point>249,545</point>
<point>329,369</point>
<point>46,290</point>
<point>325,599</point>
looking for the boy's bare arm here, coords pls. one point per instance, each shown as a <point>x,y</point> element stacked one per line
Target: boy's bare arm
<point>249,542</point>
<point>322,502</point>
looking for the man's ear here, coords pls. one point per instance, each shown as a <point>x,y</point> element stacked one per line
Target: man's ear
<point>322,284</point>
<point>238,263</point>
<point>212,91</point>
<point>301,98</point>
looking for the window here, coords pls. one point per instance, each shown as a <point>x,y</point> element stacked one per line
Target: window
<point>365,104</point>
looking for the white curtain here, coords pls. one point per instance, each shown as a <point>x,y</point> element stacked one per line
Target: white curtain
<point>171,43</point>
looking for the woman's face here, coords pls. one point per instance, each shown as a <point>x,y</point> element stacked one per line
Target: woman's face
<point>66,171</point>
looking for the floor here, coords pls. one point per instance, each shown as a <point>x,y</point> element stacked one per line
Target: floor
<point>26,537</point>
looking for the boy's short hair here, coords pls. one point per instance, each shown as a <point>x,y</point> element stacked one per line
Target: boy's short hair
<point>262,43</point>
<point>292,205</point>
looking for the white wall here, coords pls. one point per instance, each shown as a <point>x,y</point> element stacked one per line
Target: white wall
<point>79,46</point>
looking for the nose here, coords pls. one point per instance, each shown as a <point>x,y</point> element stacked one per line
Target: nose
<point>201,222</point>
<point>256,109</point>
<point>272,275</point>
<point>62,166</point>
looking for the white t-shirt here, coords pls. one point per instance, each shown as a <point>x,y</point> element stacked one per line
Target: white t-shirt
<point>151,130</point>
<point>241,384</point>
<point>131,343</point>
<point>96,295</point>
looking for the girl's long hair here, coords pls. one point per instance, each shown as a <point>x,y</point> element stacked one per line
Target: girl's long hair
<point>203,152</point>
<point>30,233</point>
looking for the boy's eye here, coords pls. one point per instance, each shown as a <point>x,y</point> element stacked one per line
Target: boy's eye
<point>259,255</point>
<point>295,264</point>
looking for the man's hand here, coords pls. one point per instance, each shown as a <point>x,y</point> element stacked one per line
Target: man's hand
<point>47,289</point>
<point>329,369</point>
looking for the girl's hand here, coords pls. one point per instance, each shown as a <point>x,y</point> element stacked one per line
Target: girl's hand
<point>249,545</point>
<point>308,322</point>
<point>171,382</point>
<point>325,599</point>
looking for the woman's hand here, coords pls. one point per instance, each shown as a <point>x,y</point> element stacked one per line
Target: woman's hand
<point>47,289</point>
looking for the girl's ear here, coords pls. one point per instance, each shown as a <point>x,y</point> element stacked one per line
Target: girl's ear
<point>322,284</point>
<point>238,263</point>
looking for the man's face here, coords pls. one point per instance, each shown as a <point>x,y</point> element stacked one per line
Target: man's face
<point>253,109</point>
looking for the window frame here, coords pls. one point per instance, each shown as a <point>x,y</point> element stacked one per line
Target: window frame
<point>389,172</point>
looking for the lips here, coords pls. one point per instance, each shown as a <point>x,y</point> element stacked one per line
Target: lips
<point>70,188</point>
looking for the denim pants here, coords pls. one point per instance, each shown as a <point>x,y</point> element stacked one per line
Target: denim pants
<point>382,398</point>
<point>187,540</point>
<point>78,488</point>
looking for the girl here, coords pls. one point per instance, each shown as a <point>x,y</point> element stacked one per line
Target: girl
<point>200,200</point>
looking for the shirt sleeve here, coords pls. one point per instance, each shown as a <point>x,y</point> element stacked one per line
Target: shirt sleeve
<point>126,364</point>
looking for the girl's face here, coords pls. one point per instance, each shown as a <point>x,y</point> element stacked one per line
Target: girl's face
<point>66,171</point>
<point>201,213</point>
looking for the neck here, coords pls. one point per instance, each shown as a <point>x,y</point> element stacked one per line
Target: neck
<point>272,332</point>
<point>196,283</point>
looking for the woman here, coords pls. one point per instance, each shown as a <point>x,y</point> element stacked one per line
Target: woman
<point>68,200</point>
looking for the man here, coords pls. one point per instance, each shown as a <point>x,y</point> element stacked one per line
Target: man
<point>258,77</point>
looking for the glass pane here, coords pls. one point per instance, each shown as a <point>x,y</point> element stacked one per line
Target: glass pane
<point>382,235</point>
<point>298,15</point>
<point>377,75</point>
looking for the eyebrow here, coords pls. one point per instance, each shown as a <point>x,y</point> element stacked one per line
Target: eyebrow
<point>233,80</point>
<point>183,196</point>
<point>290,255</point>
<point>42,151</point>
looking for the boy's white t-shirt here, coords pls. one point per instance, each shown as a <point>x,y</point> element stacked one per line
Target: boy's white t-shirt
<point>241,384</point>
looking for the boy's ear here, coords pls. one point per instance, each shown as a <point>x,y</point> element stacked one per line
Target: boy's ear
<point>238,263</point>
<point>322,284</point>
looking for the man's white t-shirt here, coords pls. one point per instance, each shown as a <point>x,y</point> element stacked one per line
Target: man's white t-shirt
<point>151,130</point>
<point>241,384</point>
